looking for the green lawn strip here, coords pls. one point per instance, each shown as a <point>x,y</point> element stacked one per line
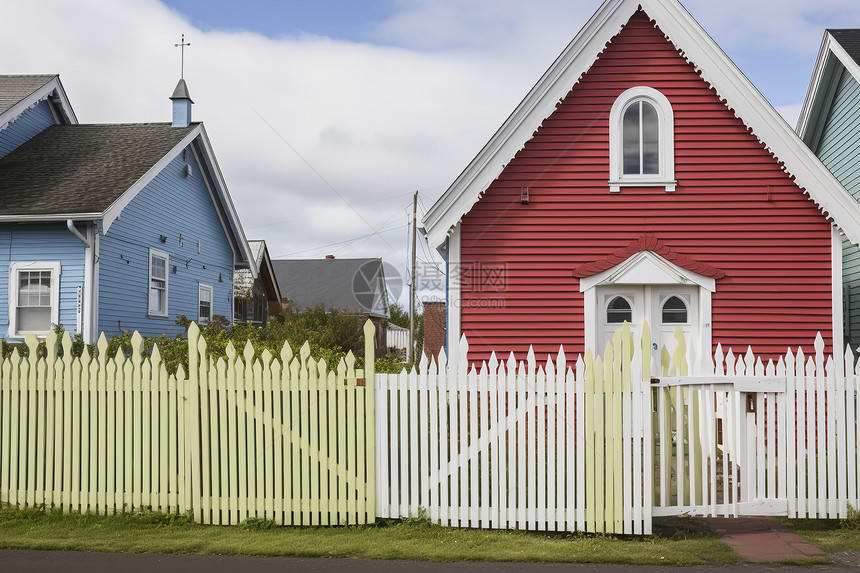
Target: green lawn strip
<point>829,535</point>
<point>410,539</point>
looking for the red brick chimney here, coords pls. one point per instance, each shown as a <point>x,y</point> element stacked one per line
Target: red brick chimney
<point>434,328</point>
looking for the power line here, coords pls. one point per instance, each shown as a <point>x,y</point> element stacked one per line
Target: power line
<point>318,174</point>
<point>341,242</point>
<point>329,212</point>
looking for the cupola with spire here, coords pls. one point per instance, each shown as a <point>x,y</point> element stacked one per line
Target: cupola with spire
<point>181,105</point>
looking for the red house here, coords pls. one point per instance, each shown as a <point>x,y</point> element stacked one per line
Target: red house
<point>643,178</point>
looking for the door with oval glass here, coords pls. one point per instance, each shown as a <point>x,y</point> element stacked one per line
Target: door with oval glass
<point>663,307</point>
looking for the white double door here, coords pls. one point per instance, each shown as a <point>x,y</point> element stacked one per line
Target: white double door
<point>663,307</point>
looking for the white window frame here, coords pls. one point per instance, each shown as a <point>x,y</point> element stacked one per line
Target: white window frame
<point>162,255</point>
<point>15,270</point>
<point>665,177</point>
<point>201,288</point>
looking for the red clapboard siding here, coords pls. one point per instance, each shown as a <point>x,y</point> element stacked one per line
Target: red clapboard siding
<point>734,208</point>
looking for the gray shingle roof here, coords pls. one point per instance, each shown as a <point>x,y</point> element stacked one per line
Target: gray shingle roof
<point>70,169</point>
<point>15,88</point>
<point>849,39</point>
<point>351,284</point>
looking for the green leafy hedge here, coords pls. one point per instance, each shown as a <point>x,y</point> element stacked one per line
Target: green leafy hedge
<point>331,336</point>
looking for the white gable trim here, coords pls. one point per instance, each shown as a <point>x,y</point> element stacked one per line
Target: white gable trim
<point>219,194</point>
<point>227,202</point>
<point>112,213</point>
<point>52,87</point>
<point>647,267</point>
<point>716,68</point>
<point>822,88</point>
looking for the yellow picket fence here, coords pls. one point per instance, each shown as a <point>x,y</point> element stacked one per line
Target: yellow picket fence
<point>280,438</point>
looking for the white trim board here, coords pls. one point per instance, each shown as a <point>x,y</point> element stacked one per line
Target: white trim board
<point>819,95</point>
<point>716,69</point>
<point>43,93</point>
<point>112,213</point>
<point>207,163</point>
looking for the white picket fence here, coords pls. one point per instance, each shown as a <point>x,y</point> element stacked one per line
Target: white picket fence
<point>518,445</point>
<point>601,447</point>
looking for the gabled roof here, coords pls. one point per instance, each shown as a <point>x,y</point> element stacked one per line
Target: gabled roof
<point>81,169</point>
<point>839,53</point>
<point>346,284</point>
<point>94,171</point>
<point>715,67</point>
<point>243,279</point>
<point>20,92</point>
<point>849,39</point>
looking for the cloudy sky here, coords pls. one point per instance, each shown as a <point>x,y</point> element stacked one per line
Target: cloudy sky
<point>326,115</point>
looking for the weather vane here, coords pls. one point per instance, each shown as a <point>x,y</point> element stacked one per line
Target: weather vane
<point>182,45</point>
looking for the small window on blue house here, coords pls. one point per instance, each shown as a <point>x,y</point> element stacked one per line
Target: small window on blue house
<point>204,306</point>
<point>34,297</point>
<point>158,282</point>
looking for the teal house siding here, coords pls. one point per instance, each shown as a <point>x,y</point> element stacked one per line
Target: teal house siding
<point>43,242</point>
<point>181,210</point>
<point>25,127</point>
<point>839,146</point>
<point>839,150</point>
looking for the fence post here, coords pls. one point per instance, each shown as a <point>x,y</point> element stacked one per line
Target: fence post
<point>370,417</point>
<point>191,388</point>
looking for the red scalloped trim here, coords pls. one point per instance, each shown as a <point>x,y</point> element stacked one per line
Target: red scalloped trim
<point>647,242</point>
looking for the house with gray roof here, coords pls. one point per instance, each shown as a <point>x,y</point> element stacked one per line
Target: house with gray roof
<point>352,285</point>
<point>829,124</point>
<point>256,298</point>
<point>110,227</point>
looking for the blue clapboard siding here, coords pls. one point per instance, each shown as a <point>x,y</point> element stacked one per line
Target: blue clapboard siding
<point>27,126</point>
<point>838,150</point>
<point>170,205</point>
<point>42,242</point>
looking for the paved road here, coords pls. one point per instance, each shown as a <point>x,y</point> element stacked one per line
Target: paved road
<point>82,562</point>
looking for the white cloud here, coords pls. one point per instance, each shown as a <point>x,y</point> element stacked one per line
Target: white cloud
<point>377,121</point>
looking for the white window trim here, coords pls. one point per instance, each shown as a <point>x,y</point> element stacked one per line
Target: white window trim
<point>166,257</point>
<point>666,122</point>
<point>200,288</point>
<point>14,270</point>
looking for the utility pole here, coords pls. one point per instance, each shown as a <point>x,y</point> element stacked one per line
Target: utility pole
<point>411,350</point>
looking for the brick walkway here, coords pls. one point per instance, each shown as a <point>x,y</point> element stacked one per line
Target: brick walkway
<point>761,539</point>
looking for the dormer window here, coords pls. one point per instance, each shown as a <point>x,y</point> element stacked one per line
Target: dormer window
<point>641,141</point>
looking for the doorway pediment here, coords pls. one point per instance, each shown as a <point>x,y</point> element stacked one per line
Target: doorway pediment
<point>647,267</point>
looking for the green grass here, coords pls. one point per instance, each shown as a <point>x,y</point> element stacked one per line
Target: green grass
<point>682,544</point>
<point>830,535</point>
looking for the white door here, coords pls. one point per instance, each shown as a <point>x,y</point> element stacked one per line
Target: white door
<point>663,307</point>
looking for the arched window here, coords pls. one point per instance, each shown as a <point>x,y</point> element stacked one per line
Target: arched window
<point>641,140</point>
<point>618,310</point>
<point>674,311</point>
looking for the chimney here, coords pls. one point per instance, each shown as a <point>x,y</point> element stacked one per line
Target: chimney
<point>435,327</point>
<point>181,105</point>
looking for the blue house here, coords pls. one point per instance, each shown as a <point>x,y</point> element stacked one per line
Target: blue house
<point>112,227</point>
<point>829,123</point>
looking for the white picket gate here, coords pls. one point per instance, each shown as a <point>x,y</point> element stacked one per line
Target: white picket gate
<point>747,438</point>
<point>518,446</point>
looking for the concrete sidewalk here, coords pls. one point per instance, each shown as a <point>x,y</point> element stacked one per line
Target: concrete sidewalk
<point>760,539</point>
